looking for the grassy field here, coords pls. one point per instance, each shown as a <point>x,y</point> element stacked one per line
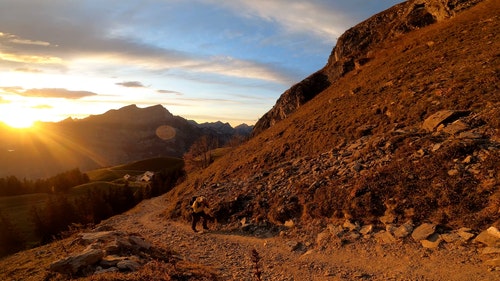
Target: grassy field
<point>17,210</point>
<point>134,168</point>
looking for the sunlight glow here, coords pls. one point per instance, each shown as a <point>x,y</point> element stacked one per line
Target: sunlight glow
<point>18,117</point>
<point>20,123</point>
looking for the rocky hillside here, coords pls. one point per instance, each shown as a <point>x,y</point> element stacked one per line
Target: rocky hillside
<point>115,137</point>
<point>410,135</point>
<point>390,173</point>
<point>355,48</point>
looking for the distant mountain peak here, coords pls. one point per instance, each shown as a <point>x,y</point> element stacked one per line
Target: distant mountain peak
<point>134,114</point>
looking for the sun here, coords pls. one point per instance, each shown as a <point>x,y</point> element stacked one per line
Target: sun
<point>18,117</point>
<point>20,123</point>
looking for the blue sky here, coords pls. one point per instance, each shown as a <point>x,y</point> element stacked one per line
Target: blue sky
<point>205,60</point>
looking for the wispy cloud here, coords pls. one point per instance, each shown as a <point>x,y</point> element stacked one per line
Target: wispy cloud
<point>62,40</point>
<point>30,58</point>
<point>29,70</point>
<point>42,106</point>
<point>18,40</point>
<point>169,92</point>
<point>12,90</point>
<point>294,16</point>
<point>56,93</point>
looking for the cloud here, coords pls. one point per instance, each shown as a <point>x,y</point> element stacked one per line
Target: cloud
<point>42,106</point>
<point>131,84</point>
<point>56,93</point>
<point>12,90</point>
<point>37,59</point>
<point>18,40</point>
<point>29,70</point>
<point>111,39</point>
<point>169,92</point>
<point>315,18</point>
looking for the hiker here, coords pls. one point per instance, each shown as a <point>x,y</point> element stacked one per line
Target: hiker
<point>199,210</point>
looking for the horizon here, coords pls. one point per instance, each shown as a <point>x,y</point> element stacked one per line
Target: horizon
<point>203,60</point>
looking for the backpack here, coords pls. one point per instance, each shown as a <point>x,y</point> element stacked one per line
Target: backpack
<point>195,205</point>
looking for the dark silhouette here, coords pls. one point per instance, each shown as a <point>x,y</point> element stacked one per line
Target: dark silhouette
<point>199,207</point>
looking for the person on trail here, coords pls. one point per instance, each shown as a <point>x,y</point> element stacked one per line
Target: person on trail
<point>199,210</point>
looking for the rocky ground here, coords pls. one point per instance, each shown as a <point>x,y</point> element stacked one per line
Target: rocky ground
<point>219,254</point>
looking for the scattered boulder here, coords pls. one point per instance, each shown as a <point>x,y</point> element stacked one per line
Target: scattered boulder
<point>423,231</point>
<point>456,127</point>
<point>129,265</point>
<point>289,223</point>
<point>75,263</point>
<point>404,230</point>
<point>106,251</point>
<point>465,233</point>
<point>351,226</point>
<point>295,246</point>
<point>493,231</point>
<point>385,237</point>
<point>451,237</point>
<point>442,117</point>
<point>488,238</point>
<point>366,229</point>
<point>432,241</point>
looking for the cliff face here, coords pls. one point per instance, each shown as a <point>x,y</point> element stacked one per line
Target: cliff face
<point>353,50</point>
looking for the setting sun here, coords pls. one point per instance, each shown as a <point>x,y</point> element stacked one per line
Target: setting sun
<point>19,123</point>
<point>19,118</point>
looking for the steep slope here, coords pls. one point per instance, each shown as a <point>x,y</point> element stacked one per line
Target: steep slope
<point>359,149</point>
<point>353,49</point>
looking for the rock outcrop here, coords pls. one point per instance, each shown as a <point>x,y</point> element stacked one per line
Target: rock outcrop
<point>106,251</point>
<point>354,49</point>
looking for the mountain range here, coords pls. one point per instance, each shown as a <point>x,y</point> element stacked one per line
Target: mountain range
<point>115,137</point>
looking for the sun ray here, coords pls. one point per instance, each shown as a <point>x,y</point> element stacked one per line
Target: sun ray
<point>63,147</point>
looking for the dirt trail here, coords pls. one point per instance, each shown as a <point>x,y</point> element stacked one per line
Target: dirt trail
<point>228,255</point>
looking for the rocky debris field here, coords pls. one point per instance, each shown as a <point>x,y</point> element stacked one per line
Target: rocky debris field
<point>336,183</point>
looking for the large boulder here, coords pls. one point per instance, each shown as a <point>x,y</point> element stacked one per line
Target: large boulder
<point>75,263</point>
<point>423,231</point>
<point>442,117</point>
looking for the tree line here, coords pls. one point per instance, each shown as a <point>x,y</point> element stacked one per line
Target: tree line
<point>12,186</point>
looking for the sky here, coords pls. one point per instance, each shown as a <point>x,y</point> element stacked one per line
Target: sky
<point>204,60</point>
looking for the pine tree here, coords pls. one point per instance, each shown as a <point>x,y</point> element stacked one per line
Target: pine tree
<point>10,238</point>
